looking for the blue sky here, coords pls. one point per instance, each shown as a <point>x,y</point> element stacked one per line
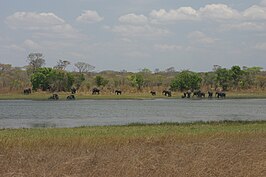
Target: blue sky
<point>135,34</point>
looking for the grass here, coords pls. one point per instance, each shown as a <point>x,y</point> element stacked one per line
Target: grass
<point>169,149</point>
<point>63,95</point>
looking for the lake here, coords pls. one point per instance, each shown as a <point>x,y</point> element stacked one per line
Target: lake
<point>25,113</point>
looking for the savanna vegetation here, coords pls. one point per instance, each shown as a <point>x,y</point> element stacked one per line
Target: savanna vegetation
<point>169,149</point>
<point>57,79</point>
<point>199,149</point>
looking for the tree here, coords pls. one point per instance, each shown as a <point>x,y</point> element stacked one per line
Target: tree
<point>79,78</point>
<point>236,74</point>
<point>40,79</point>
<point>83,67</point>
<point>186,80</point>
<point>60,80</point>
<point>146,71</point>
<point>222,78</point>
<point>137,80</point>
<point>261,81</point>
<point>100,81</point>
<point>12,78</point>
<point>249,76</point>
<point>61,65</point>
<point>35,61</point>
<point>52,79</point>
<point>170,70</point>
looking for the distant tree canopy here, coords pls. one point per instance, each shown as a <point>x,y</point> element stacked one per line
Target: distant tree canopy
<point>59,79</point>
<point>83,67</point>
<point>100,81</point>
<point>186,80</point>
<point>137,80</point>
<point>62,64</point>
<point>51,79</point>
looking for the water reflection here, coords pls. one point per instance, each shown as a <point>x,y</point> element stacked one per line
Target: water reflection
<point>42,125</point>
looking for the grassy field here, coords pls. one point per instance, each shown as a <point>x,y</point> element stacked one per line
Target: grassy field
<point>63,95</point>
<point>198,149</point>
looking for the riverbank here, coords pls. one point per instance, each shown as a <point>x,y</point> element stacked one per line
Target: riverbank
<point>169,149</point>
<point>128,96</point>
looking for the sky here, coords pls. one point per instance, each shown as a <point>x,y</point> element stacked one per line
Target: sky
<point>135,34</point>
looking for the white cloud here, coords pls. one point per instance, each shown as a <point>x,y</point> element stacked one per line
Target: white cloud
<point>135,31</point>
<point>210,11</point>
<point>33,20</point>
<point>218,12</point>
<point>200,37</point>
<point>183,13</point>
<point>255,12</point>
<point>43,25</point>
<point>89,16</point>
<point>133,19</point>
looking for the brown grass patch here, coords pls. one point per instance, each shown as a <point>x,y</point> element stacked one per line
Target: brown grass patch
<point>220,154</point>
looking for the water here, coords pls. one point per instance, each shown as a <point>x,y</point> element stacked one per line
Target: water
<point>22,113</point>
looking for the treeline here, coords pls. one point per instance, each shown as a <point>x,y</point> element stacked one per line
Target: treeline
<point>40,78</point>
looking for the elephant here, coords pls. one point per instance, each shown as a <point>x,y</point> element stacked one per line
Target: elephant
<point>71,97</point>
<point>186,94</point>
<point>27,91</point>
<point>118,92</point>
<point>95,91</point>
<point>167,93</point>
<point>210,94</point>
<point>153,93</point>
<point>54,97</point>
<point>73,90</point>
<point>199,94</point>
<point>220,94</point>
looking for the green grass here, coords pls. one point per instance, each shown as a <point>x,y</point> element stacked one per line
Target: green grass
<point>137,130</point>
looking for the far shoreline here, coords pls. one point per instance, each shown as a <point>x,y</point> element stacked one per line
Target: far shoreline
<point>43,96</point>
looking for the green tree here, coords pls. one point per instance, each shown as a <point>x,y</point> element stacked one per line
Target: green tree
<point>48,78</point>
<point>40,79</point>
<point>209,79</point>
<point>137,80</point>
<point>222,78</point>
<point>79,78</point>
<point>186,80</point>
<point>100,81</point>
<point>235,75</point>
<point>60,80</point>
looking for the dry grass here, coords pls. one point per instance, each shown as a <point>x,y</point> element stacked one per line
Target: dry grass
<point>166,150</point>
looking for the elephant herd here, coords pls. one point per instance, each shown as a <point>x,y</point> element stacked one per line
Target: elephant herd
<point>168,93</point>
<point>27,91</point>
<point>200,94</point>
